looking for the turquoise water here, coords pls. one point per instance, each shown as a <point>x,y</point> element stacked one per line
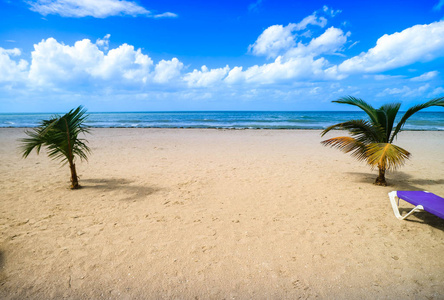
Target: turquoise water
<point>226,119</point>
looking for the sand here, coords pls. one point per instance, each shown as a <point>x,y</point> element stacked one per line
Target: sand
<point>217,214</point>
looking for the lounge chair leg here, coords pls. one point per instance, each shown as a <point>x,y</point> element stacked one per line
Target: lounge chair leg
<point>393,196</point>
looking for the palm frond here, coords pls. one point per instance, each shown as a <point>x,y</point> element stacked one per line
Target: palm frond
<point>332,127</point>
<point>386,115</point>
<point>362,130</point>
<point>28,144</point>
<point>347,144</point>
<point>413,110</point>
<point>367,108</point>
<point>386,156</point>
<point>60,136</point>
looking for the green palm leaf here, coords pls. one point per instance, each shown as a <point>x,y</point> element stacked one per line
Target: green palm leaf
<point>60,135</point>
<point>372,140</point>
<point>415,109</point>
<point>347,144</point>
<point>386,115</point>
<point>363,131</point>
<point>367,108</point>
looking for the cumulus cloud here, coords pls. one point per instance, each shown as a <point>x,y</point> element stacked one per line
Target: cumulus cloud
<point>55,63</point>
<point>205,77</point>
<point>292,61</point>
<point>166,71</point>
<point>86,64</point>
<point>91,8</point>
<point>312,19</point>
<point>277,39</point>
<point>104,43</point>
<point>420,43</point>
<point>124,63</point>
<point>281,70</point>
<point>330,42</point>
<point>426,76</point>
<point>11,70</point>
<point>92,66</point>
<point>273,41</point>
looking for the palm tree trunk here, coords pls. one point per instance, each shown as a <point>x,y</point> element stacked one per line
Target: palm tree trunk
<point>381,178</point>
<point>74,178</point>
<point>72,165</point>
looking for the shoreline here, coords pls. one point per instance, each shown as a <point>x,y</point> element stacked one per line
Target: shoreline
<point>185,213</point>
<point>284,120</point>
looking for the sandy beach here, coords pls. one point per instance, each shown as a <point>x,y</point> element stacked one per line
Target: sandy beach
<point>217,214</point>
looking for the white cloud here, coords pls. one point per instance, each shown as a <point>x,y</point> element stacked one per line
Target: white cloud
<point>394,91</point>
<point>298,66</point>
<point>316,20</point>
<point>380,77</point>
<point>277,39</point>
<point>235,76</point>
<point>312,19</point>
<point>437,92</point>
<point>420,43</point>
<point>55,63</point>
<point>205,77</point>
<point>124,63</point>
<point>426,76</point>
<point>281,70</point>
<point>166,15</point>
<point>297,62</point>
<point>104,43</point>
<point>330,42</point>
<point>10,70</point>
<point>273,41</point>
<point>166,71</point>
<point>331,11</point>
<point>91,8</point>
<point>405,91</point>
<point>282,40</point>
<point>354,44</point>
<point>293,62</point>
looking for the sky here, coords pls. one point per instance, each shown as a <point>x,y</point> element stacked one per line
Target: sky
<point>172,55</point>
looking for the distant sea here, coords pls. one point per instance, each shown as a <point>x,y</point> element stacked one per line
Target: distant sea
<point>223,119</point>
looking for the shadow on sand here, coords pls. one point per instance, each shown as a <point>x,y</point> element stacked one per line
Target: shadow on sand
<point>134,192</point>
<point>424,218</point>
<point>2,267</point>
<point>402,181</point>
<point>2,260</point>
<point>398,180</point>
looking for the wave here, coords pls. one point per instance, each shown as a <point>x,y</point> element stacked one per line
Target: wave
<point>431,121</point>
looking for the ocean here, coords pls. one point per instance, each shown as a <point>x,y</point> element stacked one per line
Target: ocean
<point>223,119</point>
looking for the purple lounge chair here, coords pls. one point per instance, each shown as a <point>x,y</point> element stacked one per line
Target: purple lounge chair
<point>422,201</point>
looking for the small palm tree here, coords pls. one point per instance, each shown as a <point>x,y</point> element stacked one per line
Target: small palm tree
<point>372,140</point>
<point>60,135</point>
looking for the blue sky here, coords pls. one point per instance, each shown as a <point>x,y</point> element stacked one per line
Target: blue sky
<point>112,55</point>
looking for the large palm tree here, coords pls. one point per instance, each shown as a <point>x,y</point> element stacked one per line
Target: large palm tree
<point>372,140</point>
<point>60,135</point>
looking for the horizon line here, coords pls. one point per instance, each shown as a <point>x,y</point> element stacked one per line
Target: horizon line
<point>205,111</point>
